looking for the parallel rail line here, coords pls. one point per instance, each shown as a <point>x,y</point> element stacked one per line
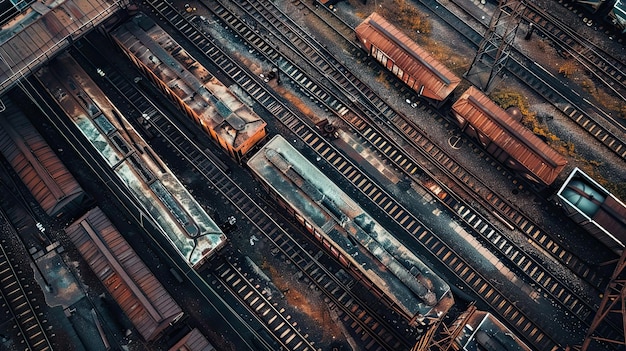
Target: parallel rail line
<point>379,335</point>
<point>481,285</point>
<point>16,296</point>
<point>552,89</point>
<point>230,276</point>
<point>528,265</point>
<point>609,70</point>
<point>322,60</point>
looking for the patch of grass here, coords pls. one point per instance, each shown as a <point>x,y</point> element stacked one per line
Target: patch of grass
<point>382,78</point>
<point>568,68</point>
<point>448,56</point>
<point>407,16</point>
<point>610,101</point>
<point>507,98</point>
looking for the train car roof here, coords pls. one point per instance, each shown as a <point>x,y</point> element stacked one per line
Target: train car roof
<point>195,242</point>
<point>50,182</point>
<point>385,261</point>
<point>483,331</point>
<point>42,31</point>
<point>217,107</point>
<point>193,341</point>
<point>529,150</point>
<point>437,79</point>
<point>133,286</point>
<point>596,204</point>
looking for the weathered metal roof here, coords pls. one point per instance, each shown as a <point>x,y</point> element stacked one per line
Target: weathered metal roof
<point>52,185</point>
<point>178,215</point>
<point>537,157</point>
<point>193,341</point>
<point>438,81</point>
<point>44,31</point>
<point>596,209</point>
<point>362,241</point>
<point>216,107</point>
<point>483,331</point>
<point>133,286</point>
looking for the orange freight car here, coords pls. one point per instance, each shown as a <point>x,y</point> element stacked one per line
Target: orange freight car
<point>506,139</point>
<point>407,60</point>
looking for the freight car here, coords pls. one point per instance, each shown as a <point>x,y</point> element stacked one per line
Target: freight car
<point>176,214</point>
<point>407,60</point>
<point>43,173</point>
<point>212,105</point>
<point>617,16</point>
<point>505,138</point>
<point>610,11</point>
<point>500,134</point>
<point>595,209</point>
<point>367,250</point>
<point>141,296</point>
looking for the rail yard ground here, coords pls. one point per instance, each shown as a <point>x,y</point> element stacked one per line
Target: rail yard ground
<point>318,318</point>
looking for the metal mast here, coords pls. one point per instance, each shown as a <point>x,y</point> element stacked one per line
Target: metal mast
<point>612,310</point>
<point>446,338</point>
<point>494,49</point>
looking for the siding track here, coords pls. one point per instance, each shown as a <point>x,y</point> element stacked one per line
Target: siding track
<point>482,286</point>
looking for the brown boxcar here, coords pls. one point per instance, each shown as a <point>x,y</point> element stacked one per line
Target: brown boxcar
<point>52,185</point>
<point>193,341</point>
<point>141,296</point>
<point>505,138</point>
<point>211,104</point>
<point>407,60</point>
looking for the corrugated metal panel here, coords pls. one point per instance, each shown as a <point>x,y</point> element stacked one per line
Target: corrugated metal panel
<point>140,295</point>
<point>418,68</point>
<point>52,185</point>
<point>495,124</point>
<point>235,126</point>
<point>44,32</point>
<point>193,341</point>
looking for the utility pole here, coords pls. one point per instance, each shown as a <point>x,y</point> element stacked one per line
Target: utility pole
<point>494,49</point>
<point>612,310</point>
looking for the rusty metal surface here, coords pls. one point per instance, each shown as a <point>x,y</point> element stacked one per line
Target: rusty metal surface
<point>129,281</point>
<point>234,125</point>
<point>414,65</point>
<point>507,139</point>
<point>44,31</point>
<point>52,185</point>
<point>193,341</point>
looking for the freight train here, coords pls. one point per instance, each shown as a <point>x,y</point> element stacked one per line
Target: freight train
<point>491,126</point>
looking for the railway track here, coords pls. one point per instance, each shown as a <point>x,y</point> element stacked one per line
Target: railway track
<point>482,286</point>
<point>16,296</point>
<point>528,265</point>
<point>377,334</point>
<point>232,277</point>
<point>608,69</point>
<point>570,103</point>
<point>413,135</point>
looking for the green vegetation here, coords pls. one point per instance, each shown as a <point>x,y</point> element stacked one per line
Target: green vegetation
<point>507,98</point>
